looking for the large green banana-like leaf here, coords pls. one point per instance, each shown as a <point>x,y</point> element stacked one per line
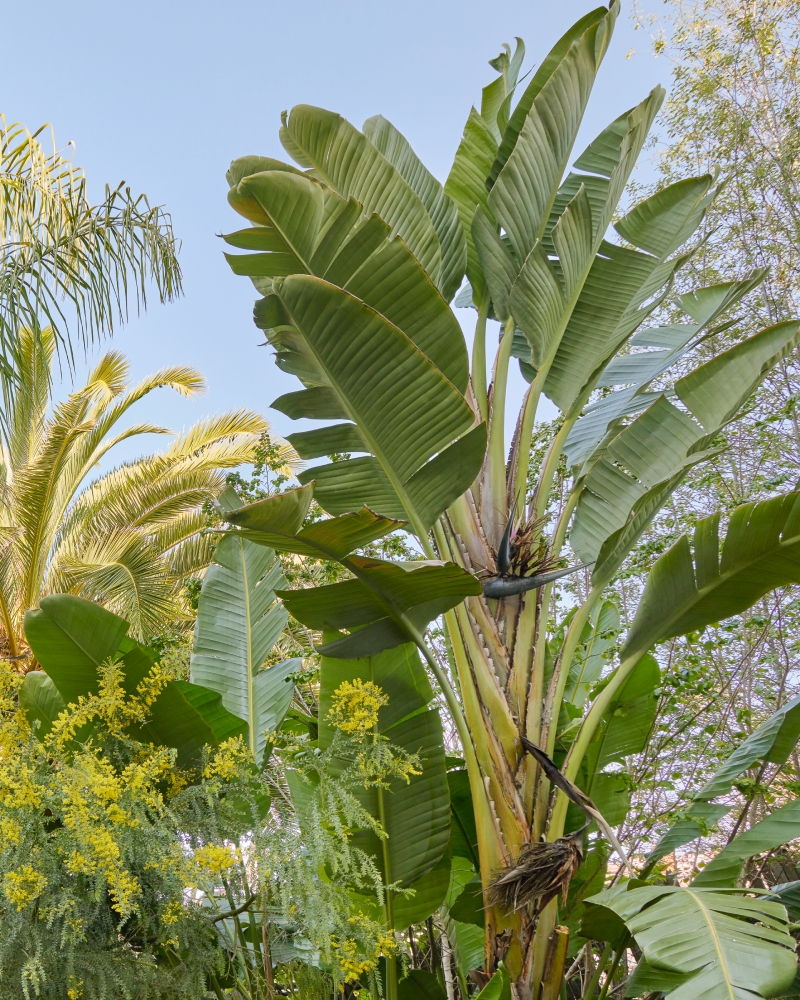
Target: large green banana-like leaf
<point>539,274</point>
<point>496,96</point>
<point>686,591</point>
<point>466,182</point>
<point>648,452</point>
<point>597,639</point>
<point>309,229</point>
<point>381,604</point>
<point>701,816</point>
<point>406,411</point>
<point>772,741</point>
<point>429,894</point>
<point>277,522</point>
<point>395,601</point>
<point>415,815</point>
<point>595,29</point>
<point>528,185</point>
<point>780,827</point>
<point>466,185</point>
<point>420,985</point>
<point>637,371</point>
<point>71,638</point>
<point>623,731</point>
<point>663,440</point>
<point>621,290</point>
<point>239,619</point>
<point>440,207</point>
<point>787,893</point>
<point>716,391</point>
<point>347,162</point>
<point>39,696</point>
<point>375,285</point>
<point>498,987</point>
<point>467,943</point>
<point>697,942</point>
<point>463,835</point>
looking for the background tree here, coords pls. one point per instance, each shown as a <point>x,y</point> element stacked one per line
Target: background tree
<point>733,106</point>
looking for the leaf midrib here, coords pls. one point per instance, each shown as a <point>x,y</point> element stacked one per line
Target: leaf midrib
<point>248,649</point>
<point>715,939</point>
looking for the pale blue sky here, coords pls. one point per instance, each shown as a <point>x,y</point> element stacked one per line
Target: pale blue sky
<point>165,94</point>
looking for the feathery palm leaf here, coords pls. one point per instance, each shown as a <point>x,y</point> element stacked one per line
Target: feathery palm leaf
<point>65,261</point>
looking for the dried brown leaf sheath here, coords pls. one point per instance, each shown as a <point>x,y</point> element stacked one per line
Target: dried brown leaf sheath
<point>537,874</point>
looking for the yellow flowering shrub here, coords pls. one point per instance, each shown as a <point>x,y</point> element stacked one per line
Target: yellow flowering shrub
<point>101,839</point>
<point>228,760</point>
<point>112,860</point>
<point>355,705</point>
<point>214,859</point>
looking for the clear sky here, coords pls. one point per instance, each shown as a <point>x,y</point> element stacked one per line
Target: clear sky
<point>165,93</point>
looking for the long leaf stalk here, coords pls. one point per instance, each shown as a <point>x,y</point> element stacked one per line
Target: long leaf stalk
<point>618,955</point>
<point>479,386</point>
<point>519,481</point>
<point>590,989</point>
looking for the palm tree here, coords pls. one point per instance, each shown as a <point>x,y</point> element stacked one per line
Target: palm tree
<point>66,262</point>
<point>130,537</point>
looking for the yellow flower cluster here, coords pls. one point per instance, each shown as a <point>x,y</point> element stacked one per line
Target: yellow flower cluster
<point>112,705</point>
<point>228,759</point>
<point>19,789</point>
<point>95,799</point>
<point>10,831</point>
<point>350,955</point>
<point>355,705</point>
<point>215,859</point>
<point>23,886</point>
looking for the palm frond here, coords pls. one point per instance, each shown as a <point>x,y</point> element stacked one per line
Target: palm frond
<point>130,537</point>
<point>130,432</point>
<point>30,395</point>
<point>184,379</point>
<point>109,377</point>
<point>179,529</point>
<point>75,265</point>
<point>193,556</point>
<point>128,576</point>
<point>225,454</point>
<point>216,428</point>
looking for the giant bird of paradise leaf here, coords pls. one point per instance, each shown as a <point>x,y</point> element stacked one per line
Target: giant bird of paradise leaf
<point>357,252</point>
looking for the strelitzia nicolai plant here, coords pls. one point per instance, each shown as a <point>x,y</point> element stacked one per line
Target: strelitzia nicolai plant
<point>357,252</point>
